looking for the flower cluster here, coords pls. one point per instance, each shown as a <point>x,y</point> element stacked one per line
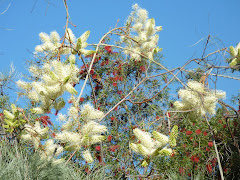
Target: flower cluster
<point>34,133</point>
<point>51,44</point>
<point>197,98</point>
<point>235,55</point>
<point>149,147</point>
<point>145,40</point>
<point>55,78</point>
<point>89,133</point>
<point>52,150</point>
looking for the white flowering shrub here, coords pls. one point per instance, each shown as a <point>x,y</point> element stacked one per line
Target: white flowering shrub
<point>113,107</point>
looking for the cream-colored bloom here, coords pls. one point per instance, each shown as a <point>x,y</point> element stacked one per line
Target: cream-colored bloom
<point>89,113</point>
<point>87,156</point>
<point>55,37</point>
<point>196,97</point>
<point>70,36</point>
<point>44,37</point>
<point>144,137</point>
<point>23,85</point>
<point>70,137</point>
<point>92,128</point>
<point>162,139</point>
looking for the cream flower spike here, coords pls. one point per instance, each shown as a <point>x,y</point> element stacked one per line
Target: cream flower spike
<point>196,97</point>
<point>89,113</point>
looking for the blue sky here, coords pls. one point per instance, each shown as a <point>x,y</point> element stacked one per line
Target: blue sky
<point>184,23</point>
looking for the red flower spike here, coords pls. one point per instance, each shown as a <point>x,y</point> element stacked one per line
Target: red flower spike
<point>109,138</point>
<point>188,132</point>
<point>53,135</point>
<point>225,170</point>
<point>198,131</point>
<point>181,171</point>
<point>81,99</point>
<point>108,49</point>
<point>119,92</point>
<point>83,67</point>
<point>207,149</point>
<point>114,84</point>
<point>209,168</point>
<point>102,64</point>
<point>87,171</point>
<point>210,144</point>
<point>56,113</point>
<point>98,148</point>
<point>120,78</point>
<point>195,159</point>
<point>224,126</point>
<point>205,133</point>
<point>91,71</point>
<point>169,115</point>
<point>112,118</point>
<point>142,68</point>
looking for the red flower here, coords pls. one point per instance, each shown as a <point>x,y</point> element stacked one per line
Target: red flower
<point>98,148</point>
<point>188,132</point>
<point>113,148</point>
<point>209,168</point>
<point>191,138</point>
<point>45,120</point>
<point>210,144</point>
<point>181,171</point>
<point>91,71</point>
<point>224,126</point>
<point>195,158</point>
<point>109,138</point>
<point>87,171</point>
<point>142,68</point>
<point>205,133</point>
<point>114,84</point>
<point>112,118</point>
<point>193,124</point>
<point>119,92</point>
<point>195,144</point>
<point>102,64</point>
<point>120,78</point>
<point>116,78</point>
<point>198,131</point>
<point>108,49</point>
<point>169,115</point>
<point>81,99</point>
<point>214,161</point>
<point>220,121</point>
<point>225,170</point>
<point>207,149</point>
